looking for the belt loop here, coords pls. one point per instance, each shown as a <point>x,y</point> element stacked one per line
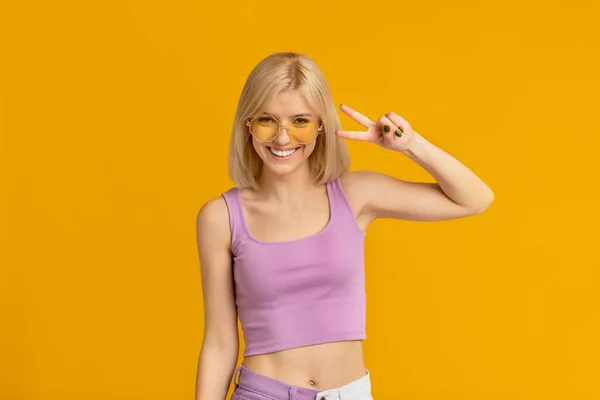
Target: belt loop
<point>293,391</point>
<point>236,374</point>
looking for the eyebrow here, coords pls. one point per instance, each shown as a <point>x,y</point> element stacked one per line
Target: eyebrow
<point>292,116</point>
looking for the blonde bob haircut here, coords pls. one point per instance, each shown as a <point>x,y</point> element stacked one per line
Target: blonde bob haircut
<point>274,74</point>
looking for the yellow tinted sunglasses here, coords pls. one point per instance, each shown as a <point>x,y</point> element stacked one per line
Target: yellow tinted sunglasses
<point>265,128</point>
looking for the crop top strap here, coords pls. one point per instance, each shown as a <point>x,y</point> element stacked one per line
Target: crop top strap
<point>341,205</point>
<point>232,199</point>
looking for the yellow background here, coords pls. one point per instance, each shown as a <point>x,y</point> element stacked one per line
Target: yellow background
<point>115,119</point>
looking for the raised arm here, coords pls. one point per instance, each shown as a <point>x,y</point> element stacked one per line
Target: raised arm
<point>220,345</point>
<point>458,191</point>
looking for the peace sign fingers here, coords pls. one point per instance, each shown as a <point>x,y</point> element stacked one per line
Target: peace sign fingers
<point>358,117</point>
<point>391,131</point>
<point>370,135</point>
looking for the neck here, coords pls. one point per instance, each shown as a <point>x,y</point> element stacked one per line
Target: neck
<point>285,187</point>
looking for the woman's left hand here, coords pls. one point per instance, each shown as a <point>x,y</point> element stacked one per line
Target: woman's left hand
<point>391,131</point>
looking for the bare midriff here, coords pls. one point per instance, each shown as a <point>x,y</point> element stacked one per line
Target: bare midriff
<point>321,367</point>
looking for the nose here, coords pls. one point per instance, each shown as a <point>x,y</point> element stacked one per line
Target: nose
<point>283,137</point>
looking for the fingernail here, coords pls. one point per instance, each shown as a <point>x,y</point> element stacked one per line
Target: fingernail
<point>398,133</point>
<point>386,128</point>
<point>341,105</point>
<point>401,129</point>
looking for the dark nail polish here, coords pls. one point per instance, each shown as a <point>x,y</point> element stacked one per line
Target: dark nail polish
<point>386,128</point>
<point>401,129</point>
<point>398,133</point>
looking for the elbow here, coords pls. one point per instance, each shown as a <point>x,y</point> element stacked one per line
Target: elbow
<point>223,344</point>
<point>485,203</point>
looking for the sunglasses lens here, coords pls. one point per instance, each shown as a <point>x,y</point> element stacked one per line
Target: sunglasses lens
<point>302,130</point>
<point>264,128</point>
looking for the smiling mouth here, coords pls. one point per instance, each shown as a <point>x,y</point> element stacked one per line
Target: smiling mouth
<point>283,153</point>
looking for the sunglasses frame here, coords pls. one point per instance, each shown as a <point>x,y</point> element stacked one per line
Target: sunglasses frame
<point>250,120</point>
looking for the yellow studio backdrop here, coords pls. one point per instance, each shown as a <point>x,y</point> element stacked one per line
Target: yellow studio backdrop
<point>115,119</point>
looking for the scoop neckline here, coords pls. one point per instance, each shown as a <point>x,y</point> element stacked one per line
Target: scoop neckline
<point>314,235</point>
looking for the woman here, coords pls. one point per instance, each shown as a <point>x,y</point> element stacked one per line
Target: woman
<point>283,249</point>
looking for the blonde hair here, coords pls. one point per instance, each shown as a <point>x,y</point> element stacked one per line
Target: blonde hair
<point>274,74</point>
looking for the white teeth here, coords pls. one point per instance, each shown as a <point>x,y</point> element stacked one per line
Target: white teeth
<point>283,153</point>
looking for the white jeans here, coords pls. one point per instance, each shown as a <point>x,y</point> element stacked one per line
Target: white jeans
<point>359,389</point>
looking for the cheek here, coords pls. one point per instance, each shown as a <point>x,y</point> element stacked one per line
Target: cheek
<point>258,147</point>
<point>255,145</point>
<point>309,149</point>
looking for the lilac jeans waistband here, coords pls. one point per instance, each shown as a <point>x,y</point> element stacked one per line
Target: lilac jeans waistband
<point>256,386</point>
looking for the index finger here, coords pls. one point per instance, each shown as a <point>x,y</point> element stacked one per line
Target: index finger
<point>355,115</point>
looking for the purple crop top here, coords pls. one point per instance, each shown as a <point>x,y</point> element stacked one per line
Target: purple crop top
<point>299,292</point>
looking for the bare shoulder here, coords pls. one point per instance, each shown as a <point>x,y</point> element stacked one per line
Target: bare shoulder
<point>212,221</point>
<point>358,179</point>
<point>213,211</point>
<point>359,184</point>
<point>373,195</point>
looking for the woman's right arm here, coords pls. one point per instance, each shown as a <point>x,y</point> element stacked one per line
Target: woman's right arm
<point>220,345</point>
